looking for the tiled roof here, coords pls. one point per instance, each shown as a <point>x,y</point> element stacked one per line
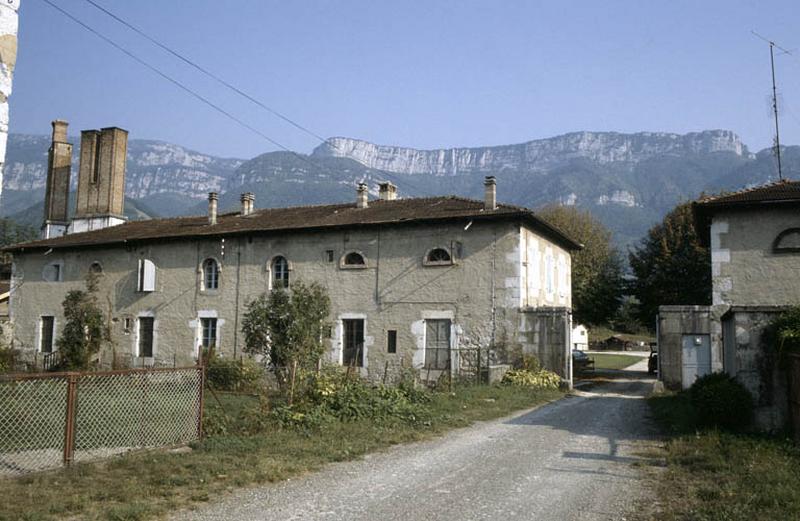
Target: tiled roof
<point>298,218</point>
<point>778,192</point>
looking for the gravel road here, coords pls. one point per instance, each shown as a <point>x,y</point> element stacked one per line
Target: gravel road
<point>569,460</point>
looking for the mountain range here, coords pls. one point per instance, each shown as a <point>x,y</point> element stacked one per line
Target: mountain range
<point>629,181</point>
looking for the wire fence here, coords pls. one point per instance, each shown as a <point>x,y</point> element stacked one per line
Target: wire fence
<point>50,420</point>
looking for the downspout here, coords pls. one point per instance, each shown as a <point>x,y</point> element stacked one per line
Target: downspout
<point>494,291</point>
<point>236,309</point>
<point>378,274</point>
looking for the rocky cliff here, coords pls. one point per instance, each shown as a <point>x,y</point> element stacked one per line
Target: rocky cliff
<point>539,156</point>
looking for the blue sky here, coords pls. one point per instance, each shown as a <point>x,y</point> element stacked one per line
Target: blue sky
<point>422,74</point>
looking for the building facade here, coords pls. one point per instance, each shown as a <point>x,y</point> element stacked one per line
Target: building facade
<point>754,239</point>
<point>428,283</point>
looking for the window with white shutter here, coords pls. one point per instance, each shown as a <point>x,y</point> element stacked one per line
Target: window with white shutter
<point>147,275</point>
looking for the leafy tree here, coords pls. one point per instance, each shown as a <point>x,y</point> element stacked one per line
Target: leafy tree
<point>287,327</point>
<point>11,232</point>
<point>670,265</point>
<point>85,328</point>
<point>597,282</point>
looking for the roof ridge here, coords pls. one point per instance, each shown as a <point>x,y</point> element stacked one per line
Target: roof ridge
<point>769,184</point>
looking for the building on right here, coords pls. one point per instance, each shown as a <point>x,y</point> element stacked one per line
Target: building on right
<point>754,238</point>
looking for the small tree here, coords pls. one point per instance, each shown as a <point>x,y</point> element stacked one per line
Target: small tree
<point>85,328</point>
<point>671,265</point>
<point>287,327</point>
<point>597,269</point>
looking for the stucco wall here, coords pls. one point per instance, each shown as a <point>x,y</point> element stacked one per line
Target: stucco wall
<point>395,291</point>
<point>745,270</point>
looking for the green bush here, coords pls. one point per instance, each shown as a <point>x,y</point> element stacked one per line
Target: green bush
<point>333,395</point>
<point>541,379</point>
<point>229,374</point>
<point>784,332</point>
<point>720,401</point>
<point>8,360</point>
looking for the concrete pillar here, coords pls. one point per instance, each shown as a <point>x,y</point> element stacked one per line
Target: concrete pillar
<point>8,58</point>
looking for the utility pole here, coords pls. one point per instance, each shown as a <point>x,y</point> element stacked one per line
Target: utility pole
<point>772,45</point>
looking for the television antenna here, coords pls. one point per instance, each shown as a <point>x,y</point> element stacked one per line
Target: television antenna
<point>772,46</point>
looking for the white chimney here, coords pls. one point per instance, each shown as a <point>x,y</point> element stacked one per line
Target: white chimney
<point>387,191</point>
<point>361,196</point>
<point>490,193</point>
<point>251,202</point>
<point>212,208</point>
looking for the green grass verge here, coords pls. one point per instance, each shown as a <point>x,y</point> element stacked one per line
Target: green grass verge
<point>608,361</point>
<point>148,484</point>
<point>717,476</point>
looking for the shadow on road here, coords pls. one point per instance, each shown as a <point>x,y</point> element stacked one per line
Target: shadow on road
<point>609,414</point>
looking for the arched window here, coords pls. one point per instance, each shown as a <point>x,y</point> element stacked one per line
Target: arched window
<point>354,260</point>
<point>788,241</point>
<point>96,268</point>
<point>438,256</point>
<point>210,274</point>
<point>280,272</point>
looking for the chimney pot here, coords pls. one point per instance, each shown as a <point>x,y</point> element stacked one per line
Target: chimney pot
<point>362,196</point>
<point>212,208</point>
<point>490,193</point>
<point>387,191</point>
<point>59,131</point>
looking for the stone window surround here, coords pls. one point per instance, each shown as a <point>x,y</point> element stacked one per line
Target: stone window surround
<point>201,272</point>
<point>268,268</point>
<point>39,337</point>
<point>196,325</point>
<point>135,334</point>
<point>49,265</point>
<point>344,266</point>
<point>427,262</point>
<point>776,244</point>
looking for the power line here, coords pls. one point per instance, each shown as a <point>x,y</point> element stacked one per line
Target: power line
<point>205,100</point>
<point>252,99</point>
<point>203,70</point>
<point>181,85</point>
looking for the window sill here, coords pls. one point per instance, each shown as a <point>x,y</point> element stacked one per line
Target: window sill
<point>438,264</point>
<point>353,267</point>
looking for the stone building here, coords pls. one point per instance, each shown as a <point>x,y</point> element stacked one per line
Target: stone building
<point>417,282</point>
<point>754,237</point>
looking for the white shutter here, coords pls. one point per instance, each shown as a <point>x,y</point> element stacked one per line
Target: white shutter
<point>149,276</point>
<point>139,278</point>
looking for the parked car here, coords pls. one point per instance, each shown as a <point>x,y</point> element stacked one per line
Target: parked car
<point>581,361</point>
<point>652,362</point>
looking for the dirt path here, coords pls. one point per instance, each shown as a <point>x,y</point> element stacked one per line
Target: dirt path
<point>570,460</point>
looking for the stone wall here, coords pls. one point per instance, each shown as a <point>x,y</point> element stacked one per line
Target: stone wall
<point>744,268</point>
<point>394,291</point>
<point>673,323</point>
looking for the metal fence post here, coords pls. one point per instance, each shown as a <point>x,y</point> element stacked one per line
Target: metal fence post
<point>69,426</point>
<point>202,369</point>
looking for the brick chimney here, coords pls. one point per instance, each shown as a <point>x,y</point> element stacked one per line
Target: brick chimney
<point>387,191</point>
<point>247,203</point>
<point>490,193</point>
<point>362,196</point>
<point>100,200</point>
<point>212,208</point>
<point>59,171</point>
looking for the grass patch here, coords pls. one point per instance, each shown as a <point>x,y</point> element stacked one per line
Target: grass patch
<point>608,361</point>
<point>148,484</point>
<point>717,476</point>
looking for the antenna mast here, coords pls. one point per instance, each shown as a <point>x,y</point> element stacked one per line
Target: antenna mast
<point>772,45</point>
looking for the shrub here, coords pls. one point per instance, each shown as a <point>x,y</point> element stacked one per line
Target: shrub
<point>783,333</point>
<point>332,395</point>
<point>541,379</point>
<point>229,374</point>
<point>720,401</point>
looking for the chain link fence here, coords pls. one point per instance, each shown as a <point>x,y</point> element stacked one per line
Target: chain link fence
<point>49,420</point>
